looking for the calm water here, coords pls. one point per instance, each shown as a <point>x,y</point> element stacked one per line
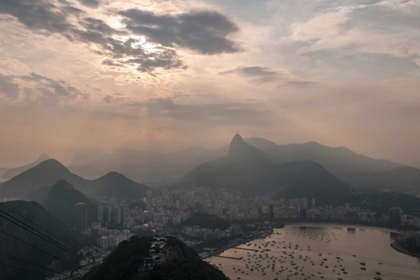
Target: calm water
<point>320,252</point>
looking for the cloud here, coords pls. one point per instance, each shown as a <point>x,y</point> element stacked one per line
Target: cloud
<point>385,27</point>
<point>37,15</point>
<point>205,32</point>
<point>214,113</point>
<point>262,75</point>
<point>90,3</point>
<point>35,87</point>
<point>108,99</point>
<point>8,88</point>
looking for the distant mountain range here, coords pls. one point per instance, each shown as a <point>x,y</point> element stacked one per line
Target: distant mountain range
<point>165,169</point>
<point>59,199</point>
<point>158,169</point>
<point>44,174</point>
<point>8,174</point>
<point>46,223</point>
<point>151,168</point>
<point>40,181</point>
<point>249,169</point>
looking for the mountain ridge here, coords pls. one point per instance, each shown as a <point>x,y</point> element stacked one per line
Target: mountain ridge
<point>12,172</point>
<point>249,169</point>
<point>44,174</point>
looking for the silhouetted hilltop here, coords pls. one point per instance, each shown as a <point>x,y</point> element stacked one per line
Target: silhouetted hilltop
<point>249,169</point>
<point>10,173</point>
<point>59,199</point>
<point>116,184</point>
<point>179,262</point>
<point>44,174</point>
<point>46,223</point>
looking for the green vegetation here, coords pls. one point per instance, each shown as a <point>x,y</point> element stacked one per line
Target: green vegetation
<point>122,263</point>
<point>187,270</point>
<point>181,263</point>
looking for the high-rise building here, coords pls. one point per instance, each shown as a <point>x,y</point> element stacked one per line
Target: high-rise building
<point>418,238</point>
<point>100,213</point>
<point>81,217</point>
<point>103,242</point>
<point>271,211</point>
<point>123,213</point>
<point>395,215</point>
<point>303,213</point>
<point>116,215</point>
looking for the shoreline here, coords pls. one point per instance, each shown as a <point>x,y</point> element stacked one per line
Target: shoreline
<point>396,246</point>
<point>263,235</point>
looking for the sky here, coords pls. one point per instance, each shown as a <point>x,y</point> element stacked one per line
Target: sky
<point>166,75</point>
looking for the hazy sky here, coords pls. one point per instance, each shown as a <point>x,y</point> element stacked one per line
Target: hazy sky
<point>160,74</point>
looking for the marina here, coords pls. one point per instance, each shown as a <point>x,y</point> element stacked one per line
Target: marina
<point>319,252</point>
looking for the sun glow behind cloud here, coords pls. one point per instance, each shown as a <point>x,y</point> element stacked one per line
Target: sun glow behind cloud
<point>210,67</point>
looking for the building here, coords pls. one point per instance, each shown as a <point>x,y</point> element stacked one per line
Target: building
<point>100,213</point>
<point>395,215</point>
<point>112,241</point>
<point>81,217</point>
<point>116,215</point>
<point>271,211</point>
<point>103,242</point>
<point>303,213</point>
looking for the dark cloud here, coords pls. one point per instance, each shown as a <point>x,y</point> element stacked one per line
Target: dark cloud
<point>108,99</point>
<point>90,3</point>
<point>37,15</point>
<point>49,91</point>
<point>205,32</point>
<point>260,75</point>
<point>216,113</point>
<point>257,73</point>
<point>202,31</point>
<point>8,88</point>
<point>51,87</point>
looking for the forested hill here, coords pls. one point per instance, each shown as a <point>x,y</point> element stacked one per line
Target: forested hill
<point>180,262</point>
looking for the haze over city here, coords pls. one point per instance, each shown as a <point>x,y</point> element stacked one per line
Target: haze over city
<point>209,139</point>
<point>166,75</point>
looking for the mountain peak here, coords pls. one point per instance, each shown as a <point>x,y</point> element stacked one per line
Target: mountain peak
<point>43,157</point>
<point>237,144</point>
<point>52,163</point>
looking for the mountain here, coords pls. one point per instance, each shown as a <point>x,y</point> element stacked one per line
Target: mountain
<point>249,169</point>
<point>151,168</point>
<point>116,184</point>
<point>2,171</point>
<point>342,162</point>
<point>404,178</point>
<point>179,262</point>
<point>44,174</point>
<point>9,174</point>
<point>354,169</point>
<point>59,199</point>
<point>48,225</point>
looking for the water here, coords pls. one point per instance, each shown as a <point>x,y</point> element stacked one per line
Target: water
<point>320,252</point>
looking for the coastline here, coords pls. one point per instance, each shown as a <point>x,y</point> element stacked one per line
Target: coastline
<point>396,246</point>
<point>217,252</point>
